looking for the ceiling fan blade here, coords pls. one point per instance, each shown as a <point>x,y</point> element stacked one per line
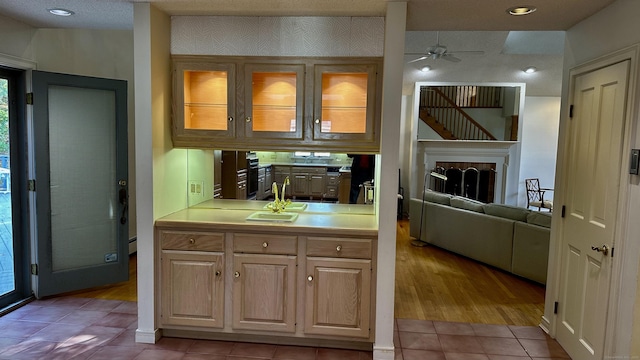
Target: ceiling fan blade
<point>450,57</point>
<point>470,52</point>
<point>418,59</point>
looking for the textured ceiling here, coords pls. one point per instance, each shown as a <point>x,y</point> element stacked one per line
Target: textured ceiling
<point>421,14</point>
<point>463,24</point>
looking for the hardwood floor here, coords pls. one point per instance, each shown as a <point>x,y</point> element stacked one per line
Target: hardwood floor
<point>431,284</point>
<point>434,284</point>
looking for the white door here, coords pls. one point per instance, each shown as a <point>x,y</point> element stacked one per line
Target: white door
<point>591,198</point>
<point>80,151</point>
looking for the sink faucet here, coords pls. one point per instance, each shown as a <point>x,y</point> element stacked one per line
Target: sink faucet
<point>279,203</point>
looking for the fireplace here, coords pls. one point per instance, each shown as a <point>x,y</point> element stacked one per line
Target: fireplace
<point>474,180</point>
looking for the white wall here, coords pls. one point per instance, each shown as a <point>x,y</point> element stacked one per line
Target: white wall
<point>540,123</point>
<point>15,39</point>
<point>614,28</point>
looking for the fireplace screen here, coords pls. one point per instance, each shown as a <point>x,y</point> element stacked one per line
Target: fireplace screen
<point>471,180</point>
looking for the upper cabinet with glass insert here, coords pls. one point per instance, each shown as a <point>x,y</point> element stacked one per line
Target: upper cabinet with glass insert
<point>345,103</point>
<point>274,98</point>
<point>277,104</point>
<point>205,101</point>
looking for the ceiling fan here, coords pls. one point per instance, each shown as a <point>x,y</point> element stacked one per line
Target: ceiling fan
<point>439,51</point>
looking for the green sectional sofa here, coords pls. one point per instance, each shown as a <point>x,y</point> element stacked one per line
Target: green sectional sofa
<point>510,238</point>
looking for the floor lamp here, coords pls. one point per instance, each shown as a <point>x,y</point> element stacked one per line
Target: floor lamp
<point>418,242</point>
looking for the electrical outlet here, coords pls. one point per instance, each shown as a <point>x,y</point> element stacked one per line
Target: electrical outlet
<point>196,188</point>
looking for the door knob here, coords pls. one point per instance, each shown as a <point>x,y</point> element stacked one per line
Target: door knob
<point>604,249</point>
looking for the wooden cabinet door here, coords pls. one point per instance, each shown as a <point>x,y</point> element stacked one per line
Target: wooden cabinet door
<point>346,103</point>
<point>316,185</point>
<point>300,185</point>
<point>338,297</point>
<point>274,98</point>
<point>264,292</point>
<point>192,289</point>
<point>204,101</point>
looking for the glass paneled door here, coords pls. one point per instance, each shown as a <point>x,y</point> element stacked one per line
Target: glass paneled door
<point>80,137</point>
<point>14,281</point>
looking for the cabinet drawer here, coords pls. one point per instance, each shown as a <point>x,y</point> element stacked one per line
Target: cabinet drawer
<point>195,241</point>
<point>339,247</point>
<point>265,244</point>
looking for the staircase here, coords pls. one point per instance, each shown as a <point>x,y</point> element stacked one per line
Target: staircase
<point>436,126</point>
<point>442,113</point>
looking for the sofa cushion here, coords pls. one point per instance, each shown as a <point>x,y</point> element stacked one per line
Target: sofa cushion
<point>507,211</point>
<point>467,204</point>
<point>539,218</point>
<point>437,197</point>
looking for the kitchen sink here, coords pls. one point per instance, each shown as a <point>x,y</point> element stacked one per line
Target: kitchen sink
<point>294,206</point>
<point>273,217</point>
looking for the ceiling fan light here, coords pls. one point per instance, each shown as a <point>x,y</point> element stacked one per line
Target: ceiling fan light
<point>530,70</point>
<point>426,68</point>
<point>521,10</point>
<point>60,12</point>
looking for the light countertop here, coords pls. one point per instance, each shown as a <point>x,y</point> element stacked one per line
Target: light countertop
<point>317,219</point>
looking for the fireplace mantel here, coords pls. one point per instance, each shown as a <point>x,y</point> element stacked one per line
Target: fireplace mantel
<point>502,153</point>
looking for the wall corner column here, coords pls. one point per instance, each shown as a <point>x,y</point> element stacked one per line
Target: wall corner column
<point>387,173</point>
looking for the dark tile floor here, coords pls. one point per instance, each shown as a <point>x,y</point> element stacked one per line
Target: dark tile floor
<point>82,328</point>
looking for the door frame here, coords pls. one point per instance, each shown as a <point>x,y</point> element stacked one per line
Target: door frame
<point>29,202</point>
<point>622,293</point>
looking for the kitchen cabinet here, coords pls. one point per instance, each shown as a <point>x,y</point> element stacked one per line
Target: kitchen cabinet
<point>221,279</point>
<point>270,103</point>
<point>308,181</point>
<point>260,195</point>
<point>332,185</point>
<point>264,283</point>
<point>204,100</point>
<point>234,175</point>
<point>192,281</point>
<point>338,291</point>
<point>344,187</point>
<point>268,181</point>
<point>281,172</point>
<point>274,97</point>
<point>345,103</point>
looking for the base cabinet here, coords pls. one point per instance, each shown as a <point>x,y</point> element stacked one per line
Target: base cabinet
<point>264,292</point>
<point>192,281</point>
<point>293,286</point>
<point>338,297</point>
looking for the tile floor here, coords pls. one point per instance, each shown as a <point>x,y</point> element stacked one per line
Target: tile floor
<point>82,328</point>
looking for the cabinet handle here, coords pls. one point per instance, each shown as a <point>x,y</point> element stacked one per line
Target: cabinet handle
<point>248,119</point>
<point>339,248</point>
<point>192,241</point>
<point>310,278</point>
<point>230,118</point>
<point>265,244</point>
<point>236,274</point>
<point>218,273</point>
<point>317,121</point>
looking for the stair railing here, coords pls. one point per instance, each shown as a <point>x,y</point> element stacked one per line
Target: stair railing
<point>452,116</point>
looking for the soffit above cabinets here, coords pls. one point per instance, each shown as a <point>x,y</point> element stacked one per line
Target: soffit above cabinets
<point>422,15</point>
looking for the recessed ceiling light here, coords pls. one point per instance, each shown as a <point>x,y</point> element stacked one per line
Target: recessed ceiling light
<point>521,10</point>
<point>61,12</point>
<point>530,70</point>
<point>426,68</point>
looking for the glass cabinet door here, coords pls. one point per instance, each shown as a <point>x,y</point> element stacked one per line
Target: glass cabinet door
<point>204,103</point>
<point>344,102</point>
<point>274,101</point>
